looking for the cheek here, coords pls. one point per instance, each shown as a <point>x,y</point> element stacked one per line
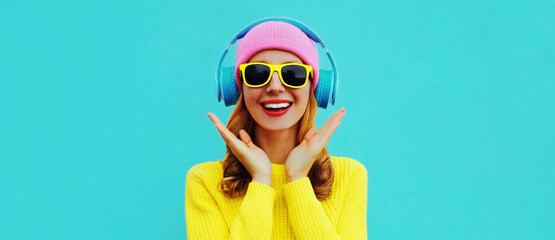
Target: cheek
<point>302,96</point>
<point>250,97</point>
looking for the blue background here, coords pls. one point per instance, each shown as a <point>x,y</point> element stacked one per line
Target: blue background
<point>450,106</point>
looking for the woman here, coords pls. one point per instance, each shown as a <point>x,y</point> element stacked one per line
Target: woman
<point>277,180</point>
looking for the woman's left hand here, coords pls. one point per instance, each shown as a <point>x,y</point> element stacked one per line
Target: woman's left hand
<point>302,157</point>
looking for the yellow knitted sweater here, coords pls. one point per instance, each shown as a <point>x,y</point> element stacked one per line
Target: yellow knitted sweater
<point>282,211</point>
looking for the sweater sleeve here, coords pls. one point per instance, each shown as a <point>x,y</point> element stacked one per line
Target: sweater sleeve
<point>352,218</point>
<point>204,219</point>
<point>308,217</point>
<point>306,214</point>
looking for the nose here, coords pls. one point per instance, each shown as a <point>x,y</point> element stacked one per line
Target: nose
<point>275,84</point>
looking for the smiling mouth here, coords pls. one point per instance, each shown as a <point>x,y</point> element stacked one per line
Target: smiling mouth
<point>276,110</point>
<point>276,107</point>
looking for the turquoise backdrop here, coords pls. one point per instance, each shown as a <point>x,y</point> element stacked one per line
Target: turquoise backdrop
<point>450,106</point>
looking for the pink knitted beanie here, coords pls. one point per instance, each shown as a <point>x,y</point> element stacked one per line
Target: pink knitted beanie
<point>281,36</point>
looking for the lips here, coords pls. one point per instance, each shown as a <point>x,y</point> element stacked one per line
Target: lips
<point>276,101</point>
<point>276,113</point>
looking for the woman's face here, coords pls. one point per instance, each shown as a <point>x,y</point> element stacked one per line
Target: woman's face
<point>274,90</point>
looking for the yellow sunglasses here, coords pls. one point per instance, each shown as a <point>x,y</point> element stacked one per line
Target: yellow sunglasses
<point>293,75</point>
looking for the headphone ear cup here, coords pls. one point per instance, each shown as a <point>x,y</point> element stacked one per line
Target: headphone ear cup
<point>323,90</point>
<point>230,93</point>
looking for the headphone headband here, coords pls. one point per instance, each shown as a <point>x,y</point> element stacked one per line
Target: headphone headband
<point>311,34</point>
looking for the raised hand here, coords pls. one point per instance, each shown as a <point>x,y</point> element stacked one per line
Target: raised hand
<point>302,157</point>
<point>251,156</point>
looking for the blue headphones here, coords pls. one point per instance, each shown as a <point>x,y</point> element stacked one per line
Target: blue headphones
<point>226,87</point>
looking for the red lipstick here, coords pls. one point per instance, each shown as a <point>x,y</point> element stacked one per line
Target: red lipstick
<point>276,113</point>
<point>276,101</point>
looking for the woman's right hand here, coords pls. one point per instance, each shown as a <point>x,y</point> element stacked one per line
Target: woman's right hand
<point>251,156</point>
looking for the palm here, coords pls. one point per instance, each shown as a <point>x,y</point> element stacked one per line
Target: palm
<point>251,156</point>
<point>302,157</point>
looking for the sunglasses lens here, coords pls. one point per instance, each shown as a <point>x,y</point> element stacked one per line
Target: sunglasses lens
<point>294,75</point>
<point>257,74</point>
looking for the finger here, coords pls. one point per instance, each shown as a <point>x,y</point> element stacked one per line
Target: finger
<point>332,131</point>
<point>219,126</point>
<point>245,138</point>
<point>217,122</point>
<point>339,114</point>
<point>227,135</point>
<point>336,117</point>
<point>328,132</point>
<point>310,133</point>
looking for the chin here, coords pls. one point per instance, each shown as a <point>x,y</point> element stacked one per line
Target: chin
<point>276,127</point>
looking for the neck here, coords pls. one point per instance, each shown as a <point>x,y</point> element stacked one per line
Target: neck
<point>276,144</point>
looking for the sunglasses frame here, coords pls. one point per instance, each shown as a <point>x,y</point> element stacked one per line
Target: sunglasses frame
<point>275,67</point>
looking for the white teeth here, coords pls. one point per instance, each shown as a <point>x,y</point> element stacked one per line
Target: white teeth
<point>276,105</point>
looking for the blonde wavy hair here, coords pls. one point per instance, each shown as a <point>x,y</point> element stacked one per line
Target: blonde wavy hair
<point>236,178</point>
